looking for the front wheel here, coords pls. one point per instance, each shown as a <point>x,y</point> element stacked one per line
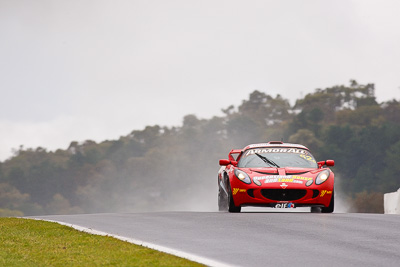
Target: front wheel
<point>331,206</point>
<point>315,210</point>
<point>222,202</point>
<point>231,204</point>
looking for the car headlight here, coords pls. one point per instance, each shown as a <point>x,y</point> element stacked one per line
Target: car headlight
<point>322,177</point>
<point>256,181</point>
<point>242,176</point>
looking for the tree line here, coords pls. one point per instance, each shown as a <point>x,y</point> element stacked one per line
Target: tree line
<point>175,168</point>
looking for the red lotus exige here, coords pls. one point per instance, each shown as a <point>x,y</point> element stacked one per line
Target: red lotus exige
<point>275,174</point>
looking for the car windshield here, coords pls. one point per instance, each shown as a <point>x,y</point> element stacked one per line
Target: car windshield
<point>277,157</point>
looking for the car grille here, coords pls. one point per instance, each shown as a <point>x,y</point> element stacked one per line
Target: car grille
<point>283,194</point>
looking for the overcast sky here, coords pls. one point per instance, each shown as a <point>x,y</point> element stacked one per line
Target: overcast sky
<point>74,70</point>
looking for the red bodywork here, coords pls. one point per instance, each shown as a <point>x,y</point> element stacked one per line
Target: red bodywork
<point>283,186</point>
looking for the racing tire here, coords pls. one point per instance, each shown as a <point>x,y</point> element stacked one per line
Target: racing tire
<point>331,206</point>
<point>231,204</point>
<point>315,210</point>
<point>222,202</point>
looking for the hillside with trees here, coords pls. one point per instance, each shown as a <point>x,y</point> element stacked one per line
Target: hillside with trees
<point>175,168</point>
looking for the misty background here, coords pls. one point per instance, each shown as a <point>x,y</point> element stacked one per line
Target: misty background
<point>128,105</point>
<point>175,168</point>
<point>78,70</point>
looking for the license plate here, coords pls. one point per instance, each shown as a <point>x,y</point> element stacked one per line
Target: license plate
<point>285,206</point>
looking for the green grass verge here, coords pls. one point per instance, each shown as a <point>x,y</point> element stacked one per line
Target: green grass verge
<point>26,242</point>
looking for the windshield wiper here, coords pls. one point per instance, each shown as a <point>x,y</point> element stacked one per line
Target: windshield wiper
<point>266,160</point>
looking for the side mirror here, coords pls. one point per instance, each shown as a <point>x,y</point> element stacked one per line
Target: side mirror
<point>226,162</point>
<point>328,162</point>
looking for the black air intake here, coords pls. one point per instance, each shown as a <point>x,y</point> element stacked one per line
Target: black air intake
<point>315,193</point>
<point>250,192</point>
<point>283,194</point>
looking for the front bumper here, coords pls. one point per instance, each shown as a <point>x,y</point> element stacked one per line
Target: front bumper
<point>269,196</point>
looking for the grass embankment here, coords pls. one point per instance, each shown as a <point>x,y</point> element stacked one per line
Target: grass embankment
<point>26,242</point>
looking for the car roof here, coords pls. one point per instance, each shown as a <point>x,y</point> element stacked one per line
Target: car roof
<point>275,144</point>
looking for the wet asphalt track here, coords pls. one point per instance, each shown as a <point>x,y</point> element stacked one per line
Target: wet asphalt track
<point>261,239</point>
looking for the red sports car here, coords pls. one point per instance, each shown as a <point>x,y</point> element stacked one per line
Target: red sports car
<point>275,174</point>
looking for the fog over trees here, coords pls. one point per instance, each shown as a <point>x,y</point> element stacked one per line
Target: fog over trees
<point>175,168</point>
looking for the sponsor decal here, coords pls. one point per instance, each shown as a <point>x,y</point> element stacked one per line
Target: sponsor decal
<point>323,192</point>
<point>309,158</point>
<point>277,176</point>
<point>301,178</point>
<point>274,150</point>
<point>274,145</point>
<point>284,180</point>
<point>238,190</point>
<point>285,206</point>
<point>281,179</point>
